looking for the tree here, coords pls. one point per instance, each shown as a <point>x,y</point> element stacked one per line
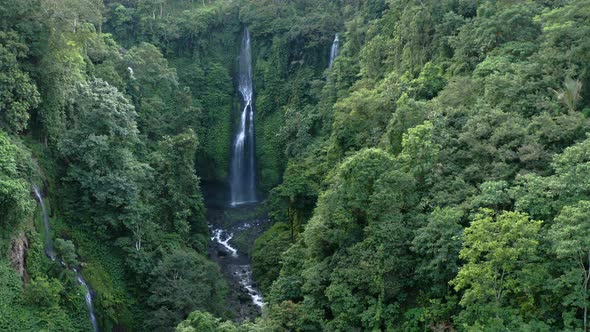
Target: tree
<point>66,250</point>
<point>18,93</point>
<point>153,90</point>
<point>495,25</point>
<point>15,201</point>
<point>359,121</point>
<point>419,151</point>
<point>44,292</point>
<point>564,52</point>
<point>438,244</point>
<point>569,95</point>
<point>570,239</point>
<point>103,176</point>
<point>199,321</point>
<point>179,202</point>
<point>358,260</point>
<point>183,282</point>
<point>268,250</point>
<point>500,252</point>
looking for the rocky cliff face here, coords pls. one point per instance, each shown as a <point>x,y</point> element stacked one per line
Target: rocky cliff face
<point>18,249</point>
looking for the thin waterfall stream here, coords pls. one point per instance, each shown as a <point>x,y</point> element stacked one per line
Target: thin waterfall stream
<point>234,229</point>
<point>51,254</point>
<point>334,50</point>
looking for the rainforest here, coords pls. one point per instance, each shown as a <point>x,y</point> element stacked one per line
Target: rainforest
<point>294,165</point>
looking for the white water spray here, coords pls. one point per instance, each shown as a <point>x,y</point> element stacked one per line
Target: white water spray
<point>130,70</point>
<point>334,50</point>
<point>48,241</point>
<point>222,237</point>
<point>245,275</point>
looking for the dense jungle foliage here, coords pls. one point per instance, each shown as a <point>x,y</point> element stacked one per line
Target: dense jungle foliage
<point>435,178</point>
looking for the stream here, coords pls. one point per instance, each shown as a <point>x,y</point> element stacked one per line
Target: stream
<point>233,232</point>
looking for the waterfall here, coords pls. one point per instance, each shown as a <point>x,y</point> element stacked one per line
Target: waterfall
<point>242,182</point>
<point>130,70</point>
<point>243,170</point>
<point>88,299</point>
<point>334,51</point>
<point>45,217</point>
<point>50,253</point>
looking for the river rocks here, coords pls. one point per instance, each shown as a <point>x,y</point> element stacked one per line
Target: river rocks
<point>233,233</point>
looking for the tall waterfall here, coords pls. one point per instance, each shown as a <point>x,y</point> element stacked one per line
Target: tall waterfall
<point>334,51</point>
<point>236,265</point>
<point>50,253</point>
<point>243,170</point>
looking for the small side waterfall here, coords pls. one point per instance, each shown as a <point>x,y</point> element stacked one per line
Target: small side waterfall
<point>242,170</point>
<point>51,254</point>
<point>48,241</point>
<point>88,299</point>
<point>334,50</point>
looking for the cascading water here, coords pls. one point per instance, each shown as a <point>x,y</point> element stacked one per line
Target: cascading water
<point>237,266</point>
<point>50,253</point>
<point>334,50</point>
<point>242,170</point>
<point>220,236</point>
<point>45,217</point>
<point>88,299</point>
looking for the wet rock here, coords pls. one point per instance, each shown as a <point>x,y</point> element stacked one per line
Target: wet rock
<point>244,229</point>
<point>18,250</point>
<point>244,298</point>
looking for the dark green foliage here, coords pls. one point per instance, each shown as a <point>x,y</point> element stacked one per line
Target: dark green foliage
<point>205,322</point>
<point>179,202</point>
<point>18,94</point>
<point>447,143</point>
<point>484,139</point>
<point>438,244</point>
<point>15,201</point>
<point>348,271</point>
<point>66,251</point>
<point>102,170</point>
<point>213,87</point>
<point>183,282</point>
<point>43,292</point>
<point>268,250</point>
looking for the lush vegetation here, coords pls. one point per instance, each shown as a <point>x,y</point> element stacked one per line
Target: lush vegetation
<point>434,178</point>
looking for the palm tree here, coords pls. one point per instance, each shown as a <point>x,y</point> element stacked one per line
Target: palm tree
<point>570,94</point>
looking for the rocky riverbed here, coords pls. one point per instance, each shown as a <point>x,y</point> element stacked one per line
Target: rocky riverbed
<point>233,232</point>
